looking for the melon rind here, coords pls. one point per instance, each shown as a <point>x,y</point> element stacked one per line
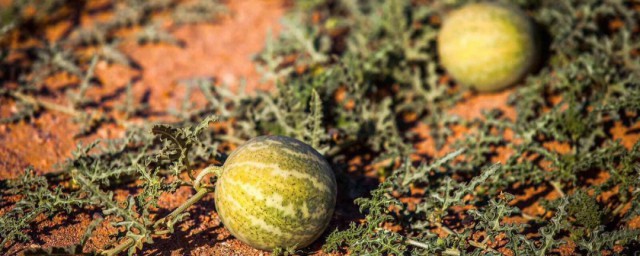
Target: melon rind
<point>488,46</point>
<point>276,191</point>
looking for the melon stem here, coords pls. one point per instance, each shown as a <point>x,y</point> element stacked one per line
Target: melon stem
<point>212,169</point>
<point>165,222</point>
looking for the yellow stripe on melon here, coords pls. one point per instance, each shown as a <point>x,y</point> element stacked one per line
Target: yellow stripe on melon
<point>276,191</point>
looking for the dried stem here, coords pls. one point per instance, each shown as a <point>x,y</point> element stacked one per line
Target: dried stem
<point>201,192</point>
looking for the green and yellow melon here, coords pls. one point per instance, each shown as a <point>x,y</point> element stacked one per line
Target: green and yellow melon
<point>488,46</point>
<point>276,191</point>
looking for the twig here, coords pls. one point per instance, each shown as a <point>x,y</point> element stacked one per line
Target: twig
<point>48,105</point>
<point>556,185</point>
<point>62,109</point>
<point>201,192</point>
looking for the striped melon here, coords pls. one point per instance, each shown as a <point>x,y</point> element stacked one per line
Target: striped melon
<point>275,191</point>
<point>487,46</point>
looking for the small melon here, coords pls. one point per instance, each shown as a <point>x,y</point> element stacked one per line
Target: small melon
<point>488,46</point>
<point>276,191</point>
